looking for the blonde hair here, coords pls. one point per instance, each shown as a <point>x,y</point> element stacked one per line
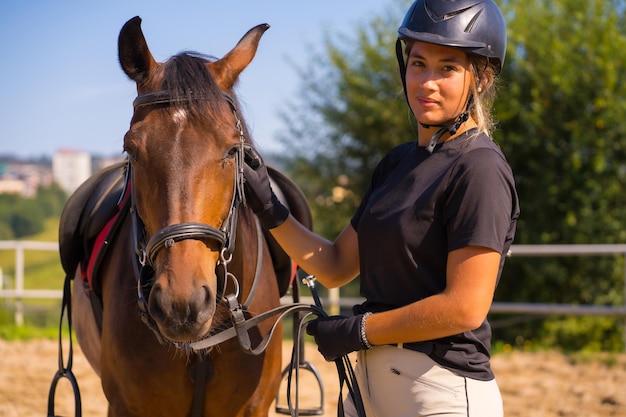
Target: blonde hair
<point>484,89</point>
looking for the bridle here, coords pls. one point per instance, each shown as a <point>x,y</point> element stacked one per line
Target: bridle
<point>146,250</point>
<point>225,234</point>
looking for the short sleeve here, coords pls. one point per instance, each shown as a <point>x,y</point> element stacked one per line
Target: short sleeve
<point>480,201</point>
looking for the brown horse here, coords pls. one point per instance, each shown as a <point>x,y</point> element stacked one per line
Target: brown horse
<point>184,260</point>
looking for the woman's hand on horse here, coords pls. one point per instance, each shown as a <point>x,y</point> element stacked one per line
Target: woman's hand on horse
<point>259,195</point>
<point>336,336</point>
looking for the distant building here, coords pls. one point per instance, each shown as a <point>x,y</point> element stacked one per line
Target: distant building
<point>23,178</point>
<point>70,168</point>
<point>12,186</point>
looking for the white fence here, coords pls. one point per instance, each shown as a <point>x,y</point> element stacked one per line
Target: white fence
<point>334,302</point>
<point>18,292</point>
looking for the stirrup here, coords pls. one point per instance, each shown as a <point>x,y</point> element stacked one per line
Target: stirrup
<point>285,409</point>
<point>65,368</point>
<point>293,369</point>
<point>67,374</point>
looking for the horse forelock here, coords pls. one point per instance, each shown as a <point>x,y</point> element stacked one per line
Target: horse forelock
<point>190,84</point>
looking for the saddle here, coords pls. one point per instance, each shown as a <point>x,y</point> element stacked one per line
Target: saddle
<point>86,214</point>
<point>93,213</point>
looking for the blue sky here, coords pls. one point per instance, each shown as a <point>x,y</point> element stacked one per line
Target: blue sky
<point>62,86</point>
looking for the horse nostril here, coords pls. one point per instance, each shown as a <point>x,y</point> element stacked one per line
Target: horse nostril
<point>156,303</point>
<point>203,300</point>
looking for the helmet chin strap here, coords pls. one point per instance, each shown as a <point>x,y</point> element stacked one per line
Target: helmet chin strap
<point>451,128</point>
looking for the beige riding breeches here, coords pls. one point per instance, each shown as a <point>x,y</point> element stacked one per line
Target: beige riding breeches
<point>396,382</point>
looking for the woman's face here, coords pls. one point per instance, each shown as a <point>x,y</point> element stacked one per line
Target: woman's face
<point>437,82</point>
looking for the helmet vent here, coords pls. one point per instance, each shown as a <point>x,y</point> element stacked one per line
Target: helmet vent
<point>447,16</point>
<point>470,25</point>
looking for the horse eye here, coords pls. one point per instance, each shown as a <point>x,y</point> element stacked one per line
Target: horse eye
<point>130,155</point>
<point>232,152</point>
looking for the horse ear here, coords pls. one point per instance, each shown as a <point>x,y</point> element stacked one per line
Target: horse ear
<point>134,55</point>
<point>226,70</point>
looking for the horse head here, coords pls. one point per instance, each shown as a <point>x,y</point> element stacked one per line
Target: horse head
<point>185,146</point>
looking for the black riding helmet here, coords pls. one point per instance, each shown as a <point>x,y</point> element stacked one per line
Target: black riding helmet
<point>476,26</point>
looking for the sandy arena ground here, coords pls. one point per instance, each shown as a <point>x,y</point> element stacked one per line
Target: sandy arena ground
<point>532,384</point>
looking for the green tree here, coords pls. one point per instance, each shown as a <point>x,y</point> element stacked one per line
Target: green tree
<point>350,112</point>
<point>560,110</point>
<point>21,216</point>
<point>51,199</point>
<point>27,218</point>
<point>561,115</point>
<point>7,204</point>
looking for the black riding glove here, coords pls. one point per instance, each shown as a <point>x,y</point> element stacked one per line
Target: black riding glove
<point>259,195</point>
<point>337,336</point>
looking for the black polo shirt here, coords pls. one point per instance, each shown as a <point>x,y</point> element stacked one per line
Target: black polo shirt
<point>419,207</point>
